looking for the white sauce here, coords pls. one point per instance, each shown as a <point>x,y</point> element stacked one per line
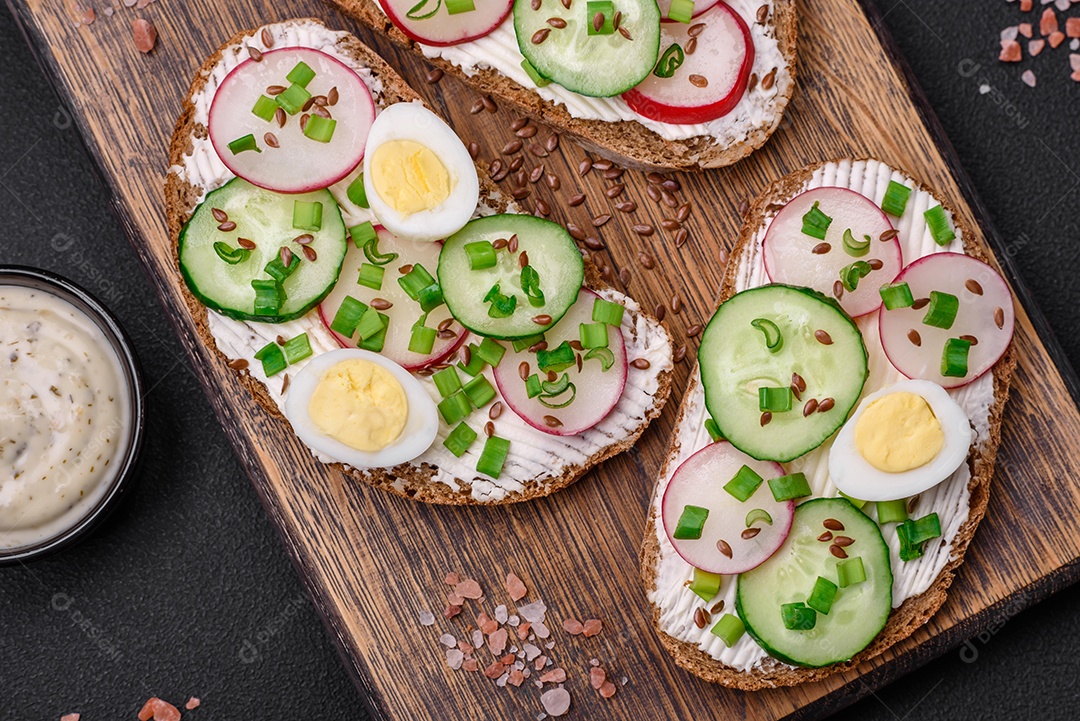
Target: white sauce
<point>949,498</point>
<point>758,110</point>
<point>533,455</point>
<point>64,415</point>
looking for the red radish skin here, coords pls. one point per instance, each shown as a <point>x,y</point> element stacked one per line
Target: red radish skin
<point>444,29</point>
<point>405,310</point>
<point>700,481</point>
<point>790,255</point>
<point>724,58</point>
<point>299,164</point>
<point>597,391</point>
<point>978,317</point>
<point>700,8</point>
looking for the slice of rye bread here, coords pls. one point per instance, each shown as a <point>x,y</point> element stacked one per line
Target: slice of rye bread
<point>406,480</point>
<point>626,142</point>
<point>914,611</point>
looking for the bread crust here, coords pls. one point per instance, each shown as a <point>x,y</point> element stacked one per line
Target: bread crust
<point>409,481</point>
<point>913,612</point>
<point>626,142</point>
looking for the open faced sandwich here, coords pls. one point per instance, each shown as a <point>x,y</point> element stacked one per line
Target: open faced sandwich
<point>833,453</point>
<point>680,84</point>
<point>342,255</point>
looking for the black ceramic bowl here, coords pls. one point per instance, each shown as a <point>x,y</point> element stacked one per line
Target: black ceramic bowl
<point>13,275</point>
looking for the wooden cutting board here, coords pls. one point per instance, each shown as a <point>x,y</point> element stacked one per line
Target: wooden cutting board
<point>372,562</point>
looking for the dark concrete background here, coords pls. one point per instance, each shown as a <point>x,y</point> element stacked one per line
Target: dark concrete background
<point>187,591</point>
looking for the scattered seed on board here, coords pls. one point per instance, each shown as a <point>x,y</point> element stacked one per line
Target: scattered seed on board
<point>526,131</point>
<point>679,354</point>
<point>576,200</point>
<point>625,276</point>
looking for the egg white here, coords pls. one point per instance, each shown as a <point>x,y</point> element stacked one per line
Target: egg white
<point>421,425</point>
<point>858,478</point>
<point>412,121</point>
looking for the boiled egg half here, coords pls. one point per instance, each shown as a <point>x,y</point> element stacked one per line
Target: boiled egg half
<point>418,176</point>
<point>361,409</point>
<point>900,441</point>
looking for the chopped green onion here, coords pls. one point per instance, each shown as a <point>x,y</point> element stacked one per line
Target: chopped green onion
<point>375,343</point>
<point>681,11</point>
<point>455,408</point>
<point>556,389</point>
<point>533,386</point>
<point>273,359</point>
<point>475,364</point>
<point>896,198</point>
<point>430,297</point>
<point>856,248</point>
<point>706,585</point>
<point>265,107</point>
<point>530,285</point>
<point>370,324</point>
<point>307,216</point>
<point>774,400</point>
<point>774,340</point>
<point>850,572</point>
<point>455,7</point>
<point>815,223</point>
<point>914,534</point>
<point>789,487</point>
<point>298,348</point>
<point>713,430</point>
<point>293,99</point>
<point>348,316</point>
<point>371,276</point>
<point>245,143</point>
<point>892,511</point>
<point>729,629</point>
<point>357,194</point>
<point>362,235</point>
<point>415,280</point>
<point>896,295</point>
<point>459,439</point>
<point>670,60</point>
<point>538,80</point>
<point>481,255</point>
<point>231,255</point>
<point>493,456</point>
<point>607,9</point>
<point>758,514</point>
<point>942,310</point>
<point>691,522</point>
<point>269,296</point>
<point>422,339</point>
<point>302,74</point>
<point>798,616</point>
<point>320,129</point>
<point>605,355</point>
<point>479,391</point>
<point>491,352</point>
<point>279,271</point>
<point>822,595</point>
<point>502,306</point>
<point>447,381</point>
<point>593,335</point>
<point>524,344</point>
<point>745,482</point>
<point>604,311</point>
<point>850,275</point>
<point>853,501</point>
<point>938,223</point>
<point>558,360</point>
<point>954,358</point>
<point>412,12</point>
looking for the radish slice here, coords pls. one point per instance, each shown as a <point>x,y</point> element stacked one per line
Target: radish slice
<point>300,164</point>
<point>404,312</point>
<point>700,481</point>
<point>597,391</point>
<point>795,258</point>
<point>432,24</point>
<point>985,313</point>
<point>700,6</point>
<point>711,80</point>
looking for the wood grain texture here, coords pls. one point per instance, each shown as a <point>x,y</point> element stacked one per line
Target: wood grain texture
<point>372,561</point>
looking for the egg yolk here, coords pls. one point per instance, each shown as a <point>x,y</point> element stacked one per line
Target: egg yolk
<point>898,432</point>
<point>409,177</point>
<point>361,404</point>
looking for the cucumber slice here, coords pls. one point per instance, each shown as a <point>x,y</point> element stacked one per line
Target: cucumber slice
<point>819,342</point>
<point>550,251</point>
<point>859,611</point>
<point>265,218</point>
<point>597,65</point>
